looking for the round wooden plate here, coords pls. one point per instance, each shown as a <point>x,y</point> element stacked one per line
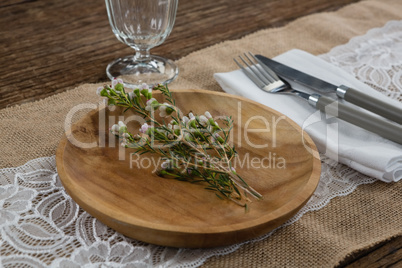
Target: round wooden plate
<point>276,158</point>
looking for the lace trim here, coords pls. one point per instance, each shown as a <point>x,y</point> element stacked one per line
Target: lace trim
<point>41,225</point>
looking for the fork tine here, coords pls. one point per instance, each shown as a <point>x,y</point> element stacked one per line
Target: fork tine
<point>268,70</point>
<point>266,77</point>
<point>253,68</point>
<point>251,75</point>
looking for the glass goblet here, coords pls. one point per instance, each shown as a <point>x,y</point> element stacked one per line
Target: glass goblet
<point>142,25</point>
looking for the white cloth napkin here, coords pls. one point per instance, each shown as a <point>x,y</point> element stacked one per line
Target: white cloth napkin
<point>363,151</point>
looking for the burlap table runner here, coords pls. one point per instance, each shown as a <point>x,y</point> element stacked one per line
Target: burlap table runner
<point>372,213</point>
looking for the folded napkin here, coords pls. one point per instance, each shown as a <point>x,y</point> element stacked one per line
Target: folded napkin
<point>363,151</point>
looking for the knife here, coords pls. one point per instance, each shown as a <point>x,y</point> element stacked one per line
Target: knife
<point>351,95</point>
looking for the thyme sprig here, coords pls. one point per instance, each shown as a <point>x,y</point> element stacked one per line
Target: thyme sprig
<point>194,148</point>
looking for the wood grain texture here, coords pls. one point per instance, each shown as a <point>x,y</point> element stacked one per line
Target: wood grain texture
<point>385,254</point>
<point>51,46</point>
<point>282,164</point>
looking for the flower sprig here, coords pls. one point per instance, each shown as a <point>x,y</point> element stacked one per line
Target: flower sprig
<point>194,148</point>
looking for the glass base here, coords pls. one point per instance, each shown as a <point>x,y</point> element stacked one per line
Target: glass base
<point>156,71</point>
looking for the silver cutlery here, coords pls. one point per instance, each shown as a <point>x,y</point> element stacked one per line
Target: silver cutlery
<point>351,95</point>
<point>267,80</point>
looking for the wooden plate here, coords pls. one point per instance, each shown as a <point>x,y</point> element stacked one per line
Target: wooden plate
<point>276,158</point>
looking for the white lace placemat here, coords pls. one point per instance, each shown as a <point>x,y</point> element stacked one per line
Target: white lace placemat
<point>42,226</point>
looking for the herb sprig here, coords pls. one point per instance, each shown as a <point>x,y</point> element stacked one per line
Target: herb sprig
<point>194,148</point>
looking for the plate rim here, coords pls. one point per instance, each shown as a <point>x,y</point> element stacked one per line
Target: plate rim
<point>289,207</point>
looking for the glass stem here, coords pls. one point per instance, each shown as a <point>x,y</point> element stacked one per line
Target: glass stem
<point>142,55</point>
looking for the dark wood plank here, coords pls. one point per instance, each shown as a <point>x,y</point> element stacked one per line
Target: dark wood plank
<point>6,3</point>
<point>386,254</point>
<point>51,46</point>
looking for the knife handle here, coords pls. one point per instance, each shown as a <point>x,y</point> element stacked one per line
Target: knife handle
<point>369,103</point>
<point>359,118</point>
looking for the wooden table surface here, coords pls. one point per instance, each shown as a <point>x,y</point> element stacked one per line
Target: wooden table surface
<point>50,46</point>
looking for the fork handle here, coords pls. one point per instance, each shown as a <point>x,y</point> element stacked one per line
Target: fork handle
<point>372,104</point>
<point>358,117</point>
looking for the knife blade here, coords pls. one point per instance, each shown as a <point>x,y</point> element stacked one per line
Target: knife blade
<point>351,95</point>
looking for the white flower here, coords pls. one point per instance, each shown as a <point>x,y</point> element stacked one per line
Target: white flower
<point>145,86</point>
<point>144,128</point>
<point>191,122</point>
<point>215,136</point>
<point>98,90</point>
<point>185,119</point>
<point>203,120</point>
<point>149,104</point>
<point>122,126</point>
<point>208,115</point>
<point>191,116</point>
<point>187,136</point>
<point>123,143</point>
<point>176,129</point>
<point>165,164</point>
<point>115,129</point>
<point>116,81</point>
<point>162,110</point>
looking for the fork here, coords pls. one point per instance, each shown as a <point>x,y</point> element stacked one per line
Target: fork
<point>267,80</point>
